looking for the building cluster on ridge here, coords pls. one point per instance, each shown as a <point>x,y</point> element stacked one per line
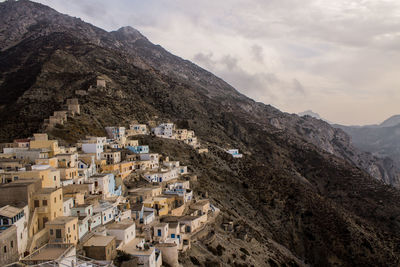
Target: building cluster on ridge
<point>70,205</point>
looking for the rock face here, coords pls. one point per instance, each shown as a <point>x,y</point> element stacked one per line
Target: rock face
<point>380,141</point>
<point>301,194</point>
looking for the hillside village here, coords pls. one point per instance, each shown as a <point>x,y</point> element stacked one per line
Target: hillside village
<point>70,206</point>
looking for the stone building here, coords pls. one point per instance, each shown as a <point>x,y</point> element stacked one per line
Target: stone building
<point>8,246</point>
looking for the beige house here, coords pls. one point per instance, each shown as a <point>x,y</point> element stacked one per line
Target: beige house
<point>63,229</point>
<point>48,203</point>
<point>101,248</point>
<point>41,140</point>
<point>49,176</point>
<point>111,157</point>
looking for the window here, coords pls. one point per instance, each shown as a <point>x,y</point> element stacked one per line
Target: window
<point>58,233</point>
<point>51,232</point>
<point>55,178</point>
<point>44,202</point>
<point>55,200</point>
<point>5,249</point>
<point>172,235</point>
<point>60,196</point>
<point>36,203</point>
<point>12,244</point>
<point>159,232</point>
<point>74,226</point>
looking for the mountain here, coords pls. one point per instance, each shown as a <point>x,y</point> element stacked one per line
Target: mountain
<point>312,114</point>
<point>381,140</point>
<point>302,194</point>
<point>392,121</point>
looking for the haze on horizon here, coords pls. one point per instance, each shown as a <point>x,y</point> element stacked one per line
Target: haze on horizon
<point>339,58</point>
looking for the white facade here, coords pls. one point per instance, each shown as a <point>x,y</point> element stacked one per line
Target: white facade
<point>235,153</point>
<point>93,148</point>
<point>19,217</point>
<point>68,204</point>
<point>154,159</point>
<point>101,183</point>
<point>165,130</point>
<point>115,132</point>
<point>107,212</point>
<point>138,129</point>
<point>82,210</point>
<point>123,231</point>
<point>163,176</point>
<point>83,227</point>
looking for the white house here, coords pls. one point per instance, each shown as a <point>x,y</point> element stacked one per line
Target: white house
<point>83,226</point>
<point>107,212</point>
<point>124,231</point>
<point>101,183</point>
<point>68,204</point>
<point>154,159</point>
<point>115,132</point>
<point>148,216</point>
<point>82,210</point>
<point>137,129</point>
<point>93,148</point>
<point>146,254</point>
<point>235,153</point>
<point>165,130</point>
<point>161,176</point>
<point>95,221</point>
<point>161,232</point>
<point>19,217</point>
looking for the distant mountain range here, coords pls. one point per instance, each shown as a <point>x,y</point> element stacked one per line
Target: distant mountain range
<point>382,140</point>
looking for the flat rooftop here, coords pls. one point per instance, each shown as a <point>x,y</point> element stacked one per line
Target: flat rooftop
<point>49,252</point>
<point>130,248</point>
<point>62,220</point>
<point>99,241</point>
<point>122,225</point>
<point>47,190</point>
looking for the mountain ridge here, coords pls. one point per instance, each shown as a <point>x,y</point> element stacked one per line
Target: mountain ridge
<point>300,185</point>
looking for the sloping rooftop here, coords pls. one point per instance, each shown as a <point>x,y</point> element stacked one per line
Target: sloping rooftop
<point>9,211</point>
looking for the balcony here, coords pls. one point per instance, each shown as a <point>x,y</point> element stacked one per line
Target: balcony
<point>43,209</point>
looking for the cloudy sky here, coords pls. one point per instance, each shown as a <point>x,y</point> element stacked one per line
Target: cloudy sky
<point>339,58</point>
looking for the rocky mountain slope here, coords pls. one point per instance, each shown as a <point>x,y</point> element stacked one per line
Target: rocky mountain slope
<point>381,140</point>
<point>301,195</point>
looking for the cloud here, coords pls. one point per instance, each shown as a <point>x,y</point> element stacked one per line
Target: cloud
<point>257,52</point>
<point>295,55</point>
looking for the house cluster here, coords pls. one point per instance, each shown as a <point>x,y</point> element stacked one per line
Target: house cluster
<point>59,117</point>
<point>168,130</point>
<point>70,206</point>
